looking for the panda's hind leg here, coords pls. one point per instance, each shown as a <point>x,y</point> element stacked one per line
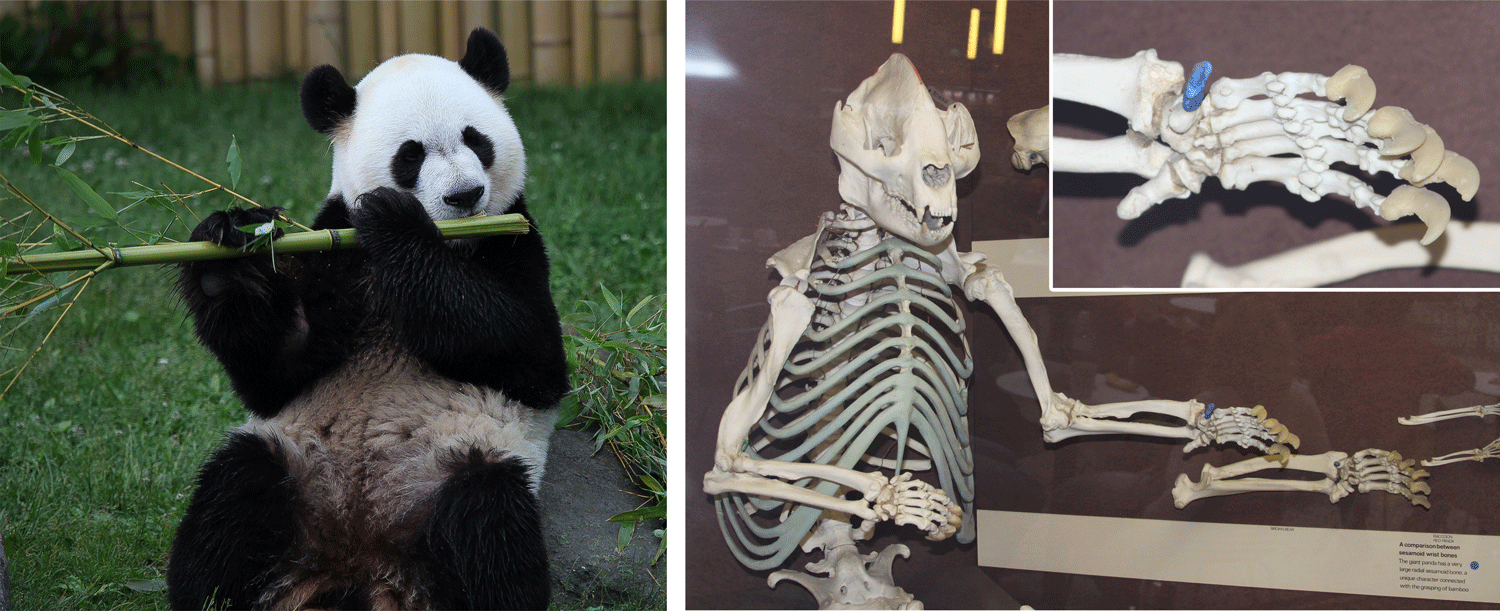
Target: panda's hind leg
<point>239,525</point>
<point>482,544</point>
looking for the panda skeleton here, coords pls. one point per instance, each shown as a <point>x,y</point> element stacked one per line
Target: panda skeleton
<point>401,394</point>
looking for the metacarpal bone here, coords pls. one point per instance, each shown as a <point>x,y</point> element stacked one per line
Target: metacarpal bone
<point>1353,85</point>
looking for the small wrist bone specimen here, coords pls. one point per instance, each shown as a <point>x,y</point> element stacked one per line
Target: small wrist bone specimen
<point>859,377</point>
<point>1256,129</point>
<point>1478,454</point>
<point>1366,471</point>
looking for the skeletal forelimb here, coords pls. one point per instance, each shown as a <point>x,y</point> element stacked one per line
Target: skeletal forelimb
<point>1366,471</point>
<point>1064,417</point>
<point>1256,129</point>
<point>1478,454</point>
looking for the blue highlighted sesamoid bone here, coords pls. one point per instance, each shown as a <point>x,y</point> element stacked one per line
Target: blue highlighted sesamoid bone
<point>1197,86</point>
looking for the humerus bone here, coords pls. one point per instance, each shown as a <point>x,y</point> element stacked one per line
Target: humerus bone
<point>1244,132</point>
<point>1368,470</point>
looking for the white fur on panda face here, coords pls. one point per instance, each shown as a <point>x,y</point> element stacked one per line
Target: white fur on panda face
<point>428,100</point>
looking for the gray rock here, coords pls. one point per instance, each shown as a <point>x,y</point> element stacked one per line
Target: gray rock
<point>580,492</point>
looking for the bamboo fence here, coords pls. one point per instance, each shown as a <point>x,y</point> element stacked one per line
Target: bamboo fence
<point>552,43</point>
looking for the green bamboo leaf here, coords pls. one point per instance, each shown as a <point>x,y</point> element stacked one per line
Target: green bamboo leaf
<point>66,152</point>
<point>627,530</point>
<point>9,78</point>
<point>48,304</point>
<point>154,585</point>
<point>11,119</point>
<point>16,136</point>
<point>658,510</point>
<point>34,146</point>
<point>235,162</point>
<point>99,206</point>
<point>568,411</point>
<point>614,302</point>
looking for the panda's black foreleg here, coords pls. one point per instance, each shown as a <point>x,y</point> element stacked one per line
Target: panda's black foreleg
<point>248,312</point>
<point>240,522</point>
<point>482,315</point>
<point>482,545</point>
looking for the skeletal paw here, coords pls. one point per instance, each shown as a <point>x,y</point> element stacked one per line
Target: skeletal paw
<point>1427,205</point>
<point>1246,427</point>
<point>1379,470</point>
<point>907,501</point>
<point>1353,85</point>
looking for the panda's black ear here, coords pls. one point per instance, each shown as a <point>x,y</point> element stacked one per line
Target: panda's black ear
<point>327,100</point>
<point>485,60</point>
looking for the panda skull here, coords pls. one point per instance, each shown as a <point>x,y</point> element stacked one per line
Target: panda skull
<point>900,156</point>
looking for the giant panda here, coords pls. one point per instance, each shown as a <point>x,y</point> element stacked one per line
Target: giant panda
<point>400,394</point>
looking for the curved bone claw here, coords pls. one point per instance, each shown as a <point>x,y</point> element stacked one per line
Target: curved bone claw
<point>1458,172</point>
<point>1427,205</point>
<point>1353,85</point>
<point>1399,132</point>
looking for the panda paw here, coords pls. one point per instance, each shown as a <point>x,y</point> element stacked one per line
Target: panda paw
<point>223,227</point>
<point>386,213</point>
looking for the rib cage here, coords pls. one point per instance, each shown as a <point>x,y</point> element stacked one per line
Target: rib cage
<point>878,382</point>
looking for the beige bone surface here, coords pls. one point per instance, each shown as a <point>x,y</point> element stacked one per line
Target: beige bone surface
<point>1463,245</point>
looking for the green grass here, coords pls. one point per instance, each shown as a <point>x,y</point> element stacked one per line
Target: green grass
<point>101,438</point>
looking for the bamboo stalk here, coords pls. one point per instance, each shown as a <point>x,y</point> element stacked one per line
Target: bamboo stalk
<point>307,241</point>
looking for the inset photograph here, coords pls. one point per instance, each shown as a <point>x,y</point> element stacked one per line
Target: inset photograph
<point>1271,144</point>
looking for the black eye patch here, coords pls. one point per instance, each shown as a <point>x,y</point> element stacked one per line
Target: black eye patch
<point>481,145</point>
<point>407,164</point>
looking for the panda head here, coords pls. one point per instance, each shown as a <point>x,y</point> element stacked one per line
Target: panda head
<point>425,125</point>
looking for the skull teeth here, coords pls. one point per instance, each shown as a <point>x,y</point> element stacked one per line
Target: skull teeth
<point>934,222</point>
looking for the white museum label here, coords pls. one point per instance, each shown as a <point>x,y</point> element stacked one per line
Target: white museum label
<point>1377,563</point>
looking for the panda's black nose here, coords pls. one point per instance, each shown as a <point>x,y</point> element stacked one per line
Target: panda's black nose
<point>464,199</point>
